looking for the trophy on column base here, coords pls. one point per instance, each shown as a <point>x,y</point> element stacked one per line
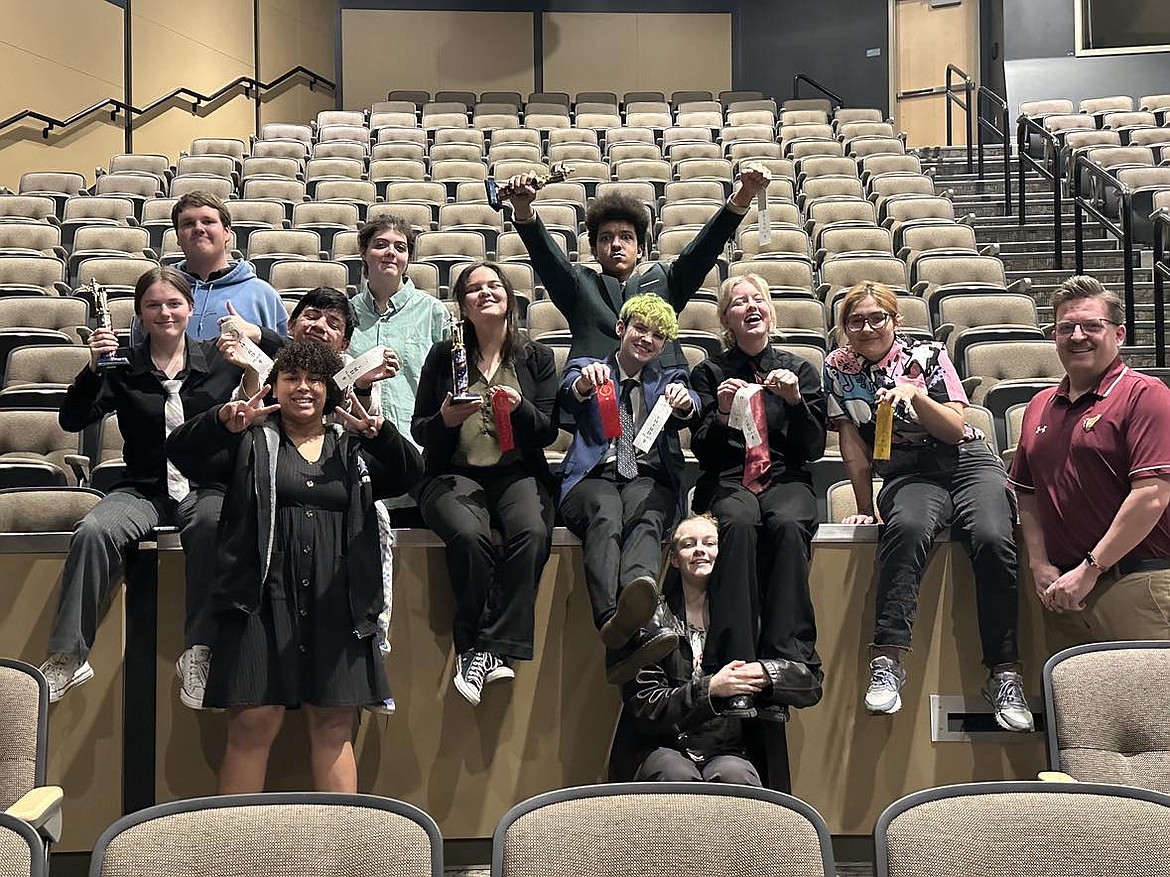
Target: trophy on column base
<point>459,374</point>
<point>101,306</point>
<point>497,193</point>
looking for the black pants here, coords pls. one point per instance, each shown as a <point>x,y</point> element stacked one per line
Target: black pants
<point>976,503</point>
<point>494,588</point>
<point>620,525</point>
<point>96,561</point>
<point>671,766</point>
<point>759,596</point>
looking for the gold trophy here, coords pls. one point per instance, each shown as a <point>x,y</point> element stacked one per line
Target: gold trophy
<point>107,361</point>
<point>496,193</point>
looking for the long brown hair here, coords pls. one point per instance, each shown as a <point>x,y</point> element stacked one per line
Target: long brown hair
<point>511,329</point>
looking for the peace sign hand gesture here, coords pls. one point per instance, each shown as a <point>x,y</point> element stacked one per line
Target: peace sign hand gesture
<point>360,423</point>
<point>238,416</point>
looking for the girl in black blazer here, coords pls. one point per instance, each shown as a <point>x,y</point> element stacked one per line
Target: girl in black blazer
<point>477,476</point>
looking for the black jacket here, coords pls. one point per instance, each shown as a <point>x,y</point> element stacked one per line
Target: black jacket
<point>796,433</point>
<point>591,301</point>
<point>382,466</point>
<point>532,422</point>
<point>136,396</point>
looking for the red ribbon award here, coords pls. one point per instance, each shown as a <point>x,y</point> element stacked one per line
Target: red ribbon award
<point>607,407</point>
<point>502,409</point>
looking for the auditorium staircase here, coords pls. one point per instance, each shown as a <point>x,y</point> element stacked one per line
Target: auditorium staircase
<point>1028,250</point>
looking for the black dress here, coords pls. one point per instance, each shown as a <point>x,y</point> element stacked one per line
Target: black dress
<point>300,646</point>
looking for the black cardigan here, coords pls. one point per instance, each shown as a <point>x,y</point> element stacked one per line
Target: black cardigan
<point>382,466</point>
<point>532,422</point>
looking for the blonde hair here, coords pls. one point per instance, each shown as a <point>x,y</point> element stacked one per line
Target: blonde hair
<point>654,311</point>
<point>706,516</point>
<point>1080,287</point>
<point>727,287</point>
<point>886,298</point>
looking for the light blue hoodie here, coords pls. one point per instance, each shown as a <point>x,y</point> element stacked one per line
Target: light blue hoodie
<point>252,298</point>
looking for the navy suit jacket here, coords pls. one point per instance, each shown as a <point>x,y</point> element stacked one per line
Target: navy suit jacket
<point>590,444</point>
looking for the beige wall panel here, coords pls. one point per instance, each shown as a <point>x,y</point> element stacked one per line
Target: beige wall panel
<point>636,51</point>
<point>85,730</point>
<point>472,51</point>
<point>59,69</point>
<point>927,40</point>
<point>296,33</point>
<point>165,58</point>
<point>222,26</point>
<point>850,765</point>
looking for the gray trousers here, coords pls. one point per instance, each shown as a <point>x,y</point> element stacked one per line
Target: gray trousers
<point>96,561</point>
<point>665,765</point>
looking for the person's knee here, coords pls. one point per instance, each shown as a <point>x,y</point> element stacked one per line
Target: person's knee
<point>738,771</point>
<point>668,766</point>
<point>785,529</point>
<point>332,726</point>
<point>92,530</point>
<point>255,726</point>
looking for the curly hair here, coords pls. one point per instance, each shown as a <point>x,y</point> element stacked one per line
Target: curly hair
<point>617,207</point>
<point>314,359</point>
<point>653,310</point>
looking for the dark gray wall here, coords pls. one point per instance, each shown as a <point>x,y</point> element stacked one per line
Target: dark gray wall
<point>772,40</point>
<point>1039,41</point>
<point>826,39</point>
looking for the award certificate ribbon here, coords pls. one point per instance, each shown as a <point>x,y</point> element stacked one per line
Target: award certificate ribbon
<point>651,429</point>
<point>371,359</point>
<point>502,410</point>
<point>611,422</point>
<point>883,433</point>
<point>741,417</point>
<point>763,217</point>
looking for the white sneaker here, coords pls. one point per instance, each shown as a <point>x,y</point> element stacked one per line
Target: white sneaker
<point>63,672</point>
<point>498,669</point>
<point>886,678</point>
<point>1005,692</point>
<point>385,708</point>
<point>191,668</point>
<point>470,669</point>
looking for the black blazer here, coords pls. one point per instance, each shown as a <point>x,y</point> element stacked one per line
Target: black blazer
<point>532,423</point>
<point>591,301</point>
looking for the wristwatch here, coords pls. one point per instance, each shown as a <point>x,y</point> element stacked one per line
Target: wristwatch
<point>1092,561</point>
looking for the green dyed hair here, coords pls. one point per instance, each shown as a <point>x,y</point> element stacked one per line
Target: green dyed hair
<point>653,310</point>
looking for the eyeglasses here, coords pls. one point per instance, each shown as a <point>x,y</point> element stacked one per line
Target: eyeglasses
<point>1089,327</point>
<point>876,320</point>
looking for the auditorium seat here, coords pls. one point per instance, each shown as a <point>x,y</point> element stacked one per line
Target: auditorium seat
<point>208,166</point>
<point>544,320</point>
<point>620,827</point>
<point>1075,830</point>
<point>845,115</point>
<point>118,275</point>
<point>298,277</point>
<point>889,185</point>
<point>444,248</point>
<point>341,149</point>
<point>359,193</point>
<point>798,316</point>
<point>267,247</point>
<point>845,270</point>
<point>954,314</point>
<point>37,373</point>
<point>35,451</point>
<point>750,150</point>
<point>1097,107</point>
<point>21,208</point>
<point>841,502</point>
<point>947,271</point>
<point>311,834</point>
<point>95,241</point>
<point>418,98</point>
<point>1108,709</point>
<point>729,97</point>
<point>230,146</point>
<point>883,163</point>
<point>144,162</point>
<point>923,236</point>
<point>829,186</point>
<point>1035,363</point>
<point>217,186</point>
<point>784,272</point>
<point>32,275</point>
<point>806,147</point>
<point>58,185</point>
<point>863,147</point>
<point>31,239</point>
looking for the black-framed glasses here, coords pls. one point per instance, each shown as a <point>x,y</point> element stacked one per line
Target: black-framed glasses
<point>876,320</point>
<point>1065,328</point>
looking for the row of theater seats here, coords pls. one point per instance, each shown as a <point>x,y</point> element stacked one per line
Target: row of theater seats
<point>1104,810</point>
<point>1132,145</point>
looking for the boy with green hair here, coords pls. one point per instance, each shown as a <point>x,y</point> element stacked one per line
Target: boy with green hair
<point>622,493</point>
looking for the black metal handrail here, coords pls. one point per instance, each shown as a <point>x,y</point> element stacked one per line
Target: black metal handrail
<point>966,104</point>
<point>253,88</point>
<point>1026,128</point>
<point>833,97</point>
<point>1122,229</point>
<point>1161,219</point>
<point>1003,135</point>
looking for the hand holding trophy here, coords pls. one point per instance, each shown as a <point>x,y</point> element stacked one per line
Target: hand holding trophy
<point>103,341</point>
<point>498,193</point>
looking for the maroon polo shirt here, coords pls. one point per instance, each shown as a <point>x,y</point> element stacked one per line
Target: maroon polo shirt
<point>1079,459</point>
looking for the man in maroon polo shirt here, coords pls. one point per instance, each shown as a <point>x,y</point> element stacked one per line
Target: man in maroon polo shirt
<point>1092,474</point>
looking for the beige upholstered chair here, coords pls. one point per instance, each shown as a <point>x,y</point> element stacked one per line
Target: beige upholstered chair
<point>24,797</point>
<point>303,833</point>
<point>628,829</point>
<point>985,829</point>
<point>1108,708</point>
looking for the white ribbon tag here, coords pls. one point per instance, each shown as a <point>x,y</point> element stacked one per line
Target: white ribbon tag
<point>369,360</point>
<point>763,217</point>
<point>256,358</point>
<point>650,430</point>
<point>741,417</point>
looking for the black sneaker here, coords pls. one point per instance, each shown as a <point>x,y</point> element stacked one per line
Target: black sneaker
<point>646,646</point>
<point>498,668</point>
<point>470,673</point>
<point>635,607</point>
